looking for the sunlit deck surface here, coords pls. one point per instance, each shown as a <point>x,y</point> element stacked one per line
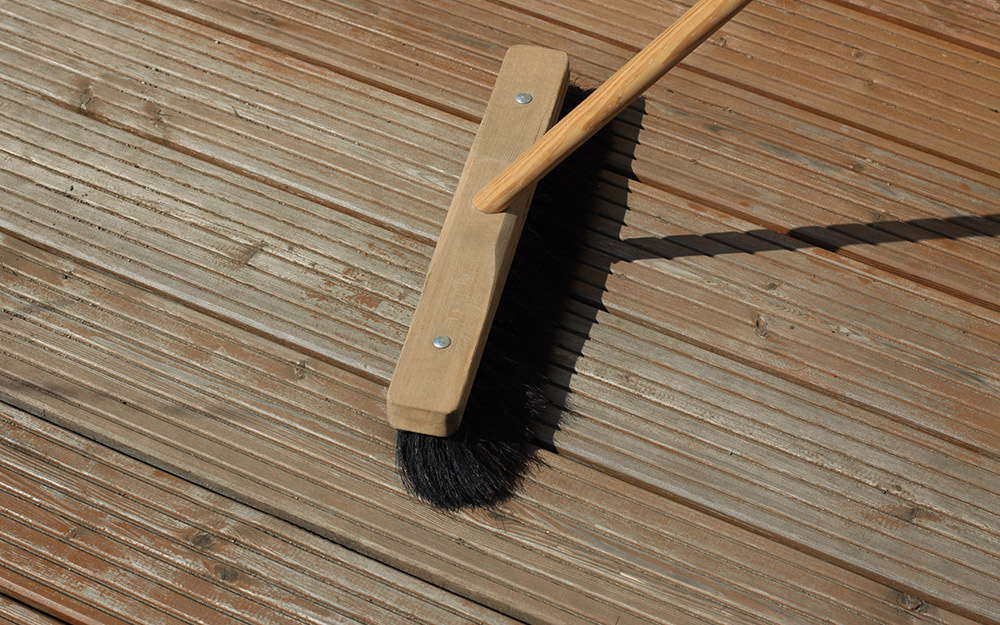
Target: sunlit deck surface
<point>775,396</point>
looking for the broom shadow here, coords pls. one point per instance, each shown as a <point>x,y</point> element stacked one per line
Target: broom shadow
<point>610,206</point>
<point>833,238</point>
<point>521,388</point>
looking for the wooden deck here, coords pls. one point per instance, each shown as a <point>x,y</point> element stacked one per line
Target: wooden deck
<point>776,392</point>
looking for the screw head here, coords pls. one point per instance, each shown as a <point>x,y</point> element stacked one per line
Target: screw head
<point>441,342</point>
<point>522,98</point>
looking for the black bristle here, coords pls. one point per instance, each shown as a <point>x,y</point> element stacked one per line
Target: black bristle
<point>484,462</point>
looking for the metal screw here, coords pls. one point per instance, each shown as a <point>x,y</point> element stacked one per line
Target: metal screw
<point>441,342</point>
<point>522,98</point>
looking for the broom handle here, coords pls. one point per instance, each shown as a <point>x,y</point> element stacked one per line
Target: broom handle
<point>606,102</point>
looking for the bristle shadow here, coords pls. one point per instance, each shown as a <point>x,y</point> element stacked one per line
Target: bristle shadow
<point>485,461</point>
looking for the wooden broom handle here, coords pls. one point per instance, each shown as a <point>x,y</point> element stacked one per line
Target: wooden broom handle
<point>606,102</point>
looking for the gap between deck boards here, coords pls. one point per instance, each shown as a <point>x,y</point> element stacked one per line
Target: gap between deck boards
<point>380,375</point>
<point>695,68</point>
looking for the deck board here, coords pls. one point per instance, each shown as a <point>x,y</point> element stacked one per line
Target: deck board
<point>91,395</point>
<point>16,613</point>
<point>218,108</point>
<point>840,316</point>
<point>778,156</point>
<point>966,24</point>
<point>179,549</point>
<point>776,393</point>
<point>879,88</point>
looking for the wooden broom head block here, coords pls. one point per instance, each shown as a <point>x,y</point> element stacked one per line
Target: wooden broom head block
<point>439,359</point>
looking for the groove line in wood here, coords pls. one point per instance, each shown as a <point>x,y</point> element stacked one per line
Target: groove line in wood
<point>239,528</point>
<point>262,97</point>
<point>796,435</point>
<point>977,524</point>
<point>204,145</point>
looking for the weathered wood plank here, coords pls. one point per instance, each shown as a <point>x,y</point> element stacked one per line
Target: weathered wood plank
<point>177,234</point>
<point>33,570</point>
<point>342,132</point>
<point>667,549</point>
<point>236,563</point>
<point>16,613</point>
<point>884,301</point>
<point>692,442</point>
<point>308,29</point>
<point>828,319</point>
<point>832,60</point>
<point>969,24</point>
<point>225,407</point>
<point>41,550</point>
<point>817,186</point>
<point>785,167</point>
<point>171,250</point>
<point>795,55</point>
<point>347,36</point>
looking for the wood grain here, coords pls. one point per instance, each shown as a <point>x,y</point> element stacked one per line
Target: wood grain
<point>216,218</point>
<point>700,123</point>
<point>967,24</point>
<point>222,407</point>
<point>203,555</point>
<point>16,613</point>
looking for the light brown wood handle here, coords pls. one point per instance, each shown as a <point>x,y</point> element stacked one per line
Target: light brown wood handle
<point>606,102</point>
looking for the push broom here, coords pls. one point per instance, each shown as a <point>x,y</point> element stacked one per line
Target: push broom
<point>515,147</point>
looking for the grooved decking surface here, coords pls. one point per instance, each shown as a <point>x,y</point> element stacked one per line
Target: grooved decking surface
<point>775,394</point>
